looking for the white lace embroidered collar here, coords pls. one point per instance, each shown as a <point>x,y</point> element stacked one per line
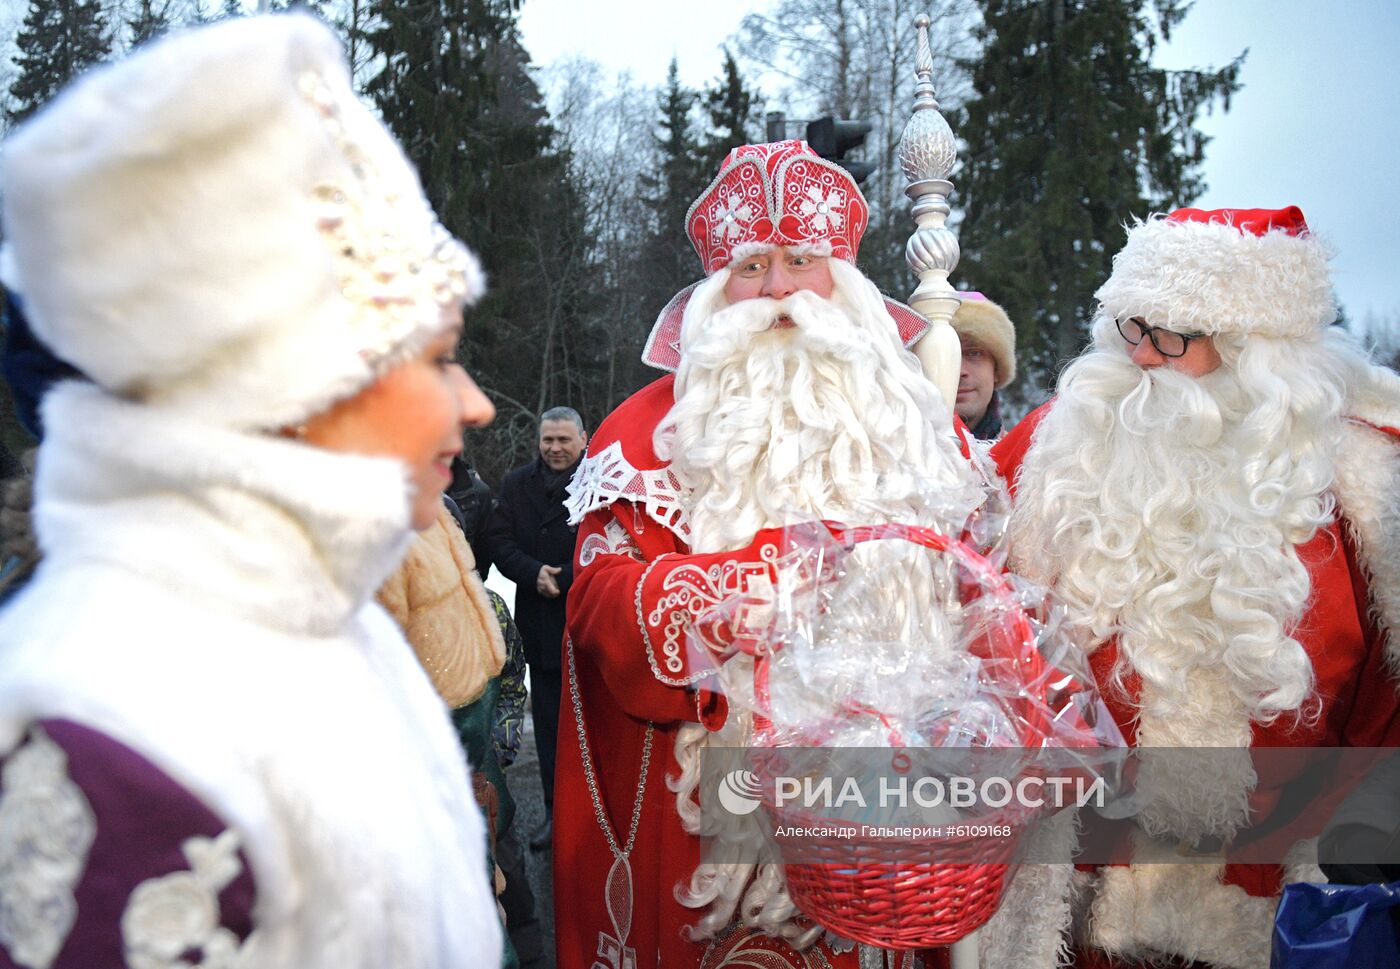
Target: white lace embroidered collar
<point>608,476</point>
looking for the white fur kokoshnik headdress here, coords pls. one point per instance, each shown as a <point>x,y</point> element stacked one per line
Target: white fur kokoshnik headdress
<point>1246,271</point>
<point>217,224</point>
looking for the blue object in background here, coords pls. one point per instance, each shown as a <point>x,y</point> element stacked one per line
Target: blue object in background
<point>29,366</point>
<point>1337,927</point>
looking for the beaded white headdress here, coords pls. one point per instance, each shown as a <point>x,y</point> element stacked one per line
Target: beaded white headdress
<point>393,259</point>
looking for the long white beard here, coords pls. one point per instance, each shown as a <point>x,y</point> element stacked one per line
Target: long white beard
<point>829,419</point>
<point>1165,511</point>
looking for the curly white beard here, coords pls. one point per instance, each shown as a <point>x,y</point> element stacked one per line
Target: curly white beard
<point>829,419</point>
<point>1165,510</point>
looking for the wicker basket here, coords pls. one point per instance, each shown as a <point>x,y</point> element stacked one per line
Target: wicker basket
<point>894,893</point>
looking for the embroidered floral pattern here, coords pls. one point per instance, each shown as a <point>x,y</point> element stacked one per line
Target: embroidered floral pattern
<point>731,216</point>
<point>780,194</point>
<point>738,946</point>
<point>615,540</point>
<point>46,831</point>
<point>613,954</point>
<point>646,635</point>
<point>821,203</point>
<point>824,211</point>
<point>173,922</point>
<point>608,476</point>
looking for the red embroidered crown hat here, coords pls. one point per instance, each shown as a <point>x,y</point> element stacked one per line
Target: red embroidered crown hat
<point>1254,271</point>
<point>779,194</point>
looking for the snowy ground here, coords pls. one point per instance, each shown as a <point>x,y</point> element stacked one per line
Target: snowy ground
<point>524,779</point>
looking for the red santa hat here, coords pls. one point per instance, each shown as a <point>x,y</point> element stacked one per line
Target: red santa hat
<point>1255,271</point>
<point>778,194</point>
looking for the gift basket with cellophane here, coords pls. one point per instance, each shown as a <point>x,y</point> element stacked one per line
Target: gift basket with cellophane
<point>893,655</point>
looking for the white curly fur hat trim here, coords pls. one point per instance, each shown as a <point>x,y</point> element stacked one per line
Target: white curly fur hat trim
<point>1221,275</point>
<point>744,250</point>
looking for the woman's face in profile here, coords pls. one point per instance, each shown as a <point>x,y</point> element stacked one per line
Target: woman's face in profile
<point>415,413</point>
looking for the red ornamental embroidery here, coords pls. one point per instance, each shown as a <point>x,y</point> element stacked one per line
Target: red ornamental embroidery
<point>738,946</point>
<point>688,591</point>
<point>820,202</point>
<point>780,194</point>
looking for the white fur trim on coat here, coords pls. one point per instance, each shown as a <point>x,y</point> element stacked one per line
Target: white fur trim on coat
<point>1195,277</point>
<point>1031,926</point>
<point>205,600</point>
<point>1368,494</point>
<point>1156,909</point>
<point>1368,490</point>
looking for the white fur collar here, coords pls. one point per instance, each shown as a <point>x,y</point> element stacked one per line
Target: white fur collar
<point>297,537</point>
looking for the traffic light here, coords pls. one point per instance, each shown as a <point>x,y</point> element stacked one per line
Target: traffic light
<point>832,139</point>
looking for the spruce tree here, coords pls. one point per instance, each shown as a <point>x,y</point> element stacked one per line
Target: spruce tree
<point>59,38</point>
<point>1071,133</point>
<point>733,109</point>
<point>152,19</point>
<point>454,86</point>
<point>680,172</point>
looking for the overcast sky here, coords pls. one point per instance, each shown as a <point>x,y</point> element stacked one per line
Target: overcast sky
<point>1317,124</point>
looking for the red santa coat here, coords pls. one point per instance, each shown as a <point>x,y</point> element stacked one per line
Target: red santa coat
<point>637,586</point>
<point>1352,660</point>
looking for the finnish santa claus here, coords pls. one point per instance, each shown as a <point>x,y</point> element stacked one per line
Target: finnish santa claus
<point>793,398</point>
<point>1213,494</point>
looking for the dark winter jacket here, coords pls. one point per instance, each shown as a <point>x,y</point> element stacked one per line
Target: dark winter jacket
<point>530,529</point>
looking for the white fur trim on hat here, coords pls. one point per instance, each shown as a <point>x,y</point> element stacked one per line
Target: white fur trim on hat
<point>987,325</point>
<point>744,250</point>
<point>217,224</point>
<point>1213,278</point>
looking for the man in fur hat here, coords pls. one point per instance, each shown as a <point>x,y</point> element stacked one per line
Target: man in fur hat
<point>793,398</point>
<point>988,363</point>
<point>1212,495</point>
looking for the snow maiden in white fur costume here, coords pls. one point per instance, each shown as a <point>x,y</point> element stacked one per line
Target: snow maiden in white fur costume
<point>217,749</point>
<point>1203,507</point>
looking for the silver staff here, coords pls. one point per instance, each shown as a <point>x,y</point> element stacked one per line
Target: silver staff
<point>927,152</point>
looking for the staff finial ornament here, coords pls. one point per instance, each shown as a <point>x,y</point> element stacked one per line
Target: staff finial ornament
<point>927,153</point>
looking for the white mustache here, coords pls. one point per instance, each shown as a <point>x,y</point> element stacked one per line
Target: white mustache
<point>818,326</point>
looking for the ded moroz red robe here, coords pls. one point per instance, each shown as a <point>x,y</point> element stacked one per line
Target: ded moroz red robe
<point>637,586</point>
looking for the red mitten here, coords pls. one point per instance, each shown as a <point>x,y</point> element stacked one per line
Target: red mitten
<point>719,599</point>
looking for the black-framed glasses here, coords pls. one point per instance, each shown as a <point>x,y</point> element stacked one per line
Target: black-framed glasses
<point>1169,343</point>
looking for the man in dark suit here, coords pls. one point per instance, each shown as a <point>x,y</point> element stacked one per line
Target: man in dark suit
<point>532,543</point>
